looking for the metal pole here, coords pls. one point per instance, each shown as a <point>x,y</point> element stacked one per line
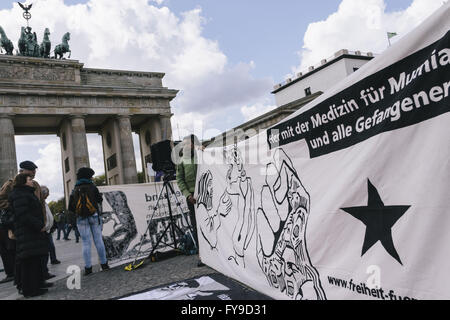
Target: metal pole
<point>171,221</point>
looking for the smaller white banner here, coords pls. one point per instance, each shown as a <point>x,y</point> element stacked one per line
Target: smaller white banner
<point>132,213</point>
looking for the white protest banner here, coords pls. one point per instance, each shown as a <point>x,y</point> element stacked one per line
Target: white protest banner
<point>127,211</point>
<point>348,198</point>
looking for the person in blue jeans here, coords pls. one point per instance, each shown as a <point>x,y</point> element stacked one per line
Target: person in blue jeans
<point>85,201</point>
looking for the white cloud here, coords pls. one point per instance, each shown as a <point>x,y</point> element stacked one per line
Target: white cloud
<point>230,88</point>
<point>34,140</point>
<point>95,149</point>
<point>360,25</point>
<point>253,111</point>
<point>137,152</point>
<point>49,170</point>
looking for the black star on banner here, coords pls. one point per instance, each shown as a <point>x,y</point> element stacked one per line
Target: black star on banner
<point>379,220</point>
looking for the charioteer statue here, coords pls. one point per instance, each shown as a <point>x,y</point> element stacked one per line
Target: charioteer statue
<point>28,45</point>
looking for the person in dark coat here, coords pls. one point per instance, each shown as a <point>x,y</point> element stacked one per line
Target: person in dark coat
<point>7,245</point>
<point>29,232</point>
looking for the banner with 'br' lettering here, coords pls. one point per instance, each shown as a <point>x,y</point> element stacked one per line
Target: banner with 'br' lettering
<point>136,216</point>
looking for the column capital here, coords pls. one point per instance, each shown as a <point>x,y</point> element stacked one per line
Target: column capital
<point>123,116</point>
<point>76,116</point>
<point>7,115</point>
<point>166,115</point>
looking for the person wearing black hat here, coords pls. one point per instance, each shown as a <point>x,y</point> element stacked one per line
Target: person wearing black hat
<point>7,242</point>
<point>85,201</point>
<point>28,167</point>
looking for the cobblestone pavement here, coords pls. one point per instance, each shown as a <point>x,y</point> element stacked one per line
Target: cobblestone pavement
<point>110,284</point>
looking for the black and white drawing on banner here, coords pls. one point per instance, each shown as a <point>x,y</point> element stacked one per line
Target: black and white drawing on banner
<point>119,225</point>
<point>204,288</point>
<point>281,232</point>
<point>210,223</point>
<point>239,194</point>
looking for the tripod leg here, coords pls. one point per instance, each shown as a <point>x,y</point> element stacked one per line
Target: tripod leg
<point>171,224</point>
<point>170,214</point>
<point>183,216</point>
<point>159,239</point>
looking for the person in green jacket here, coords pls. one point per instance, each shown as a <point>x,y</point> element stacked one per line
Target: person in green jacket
<point>186,175</point>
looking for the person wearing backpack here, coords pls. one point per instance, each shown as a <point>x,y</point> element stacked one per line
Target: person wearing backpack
<point>85,201</point>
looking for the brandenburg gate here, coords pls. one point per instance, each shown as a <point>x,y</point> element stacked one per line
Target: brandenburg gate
<point>59,96</point>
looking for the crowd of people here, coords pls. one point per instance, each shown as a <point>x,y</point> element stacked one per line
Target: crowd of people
<point>65,222</point>
<point>27,226</point>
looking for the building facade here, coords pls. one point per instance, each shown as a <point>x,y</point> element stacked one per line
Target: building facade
<point>321,77</point>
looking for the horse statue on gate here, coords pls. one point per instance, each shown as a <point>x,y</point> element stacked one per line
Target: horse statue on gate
<point>5,43</point>
<point>45,45</point>
<point>63,47</point>
<point>22,43</point>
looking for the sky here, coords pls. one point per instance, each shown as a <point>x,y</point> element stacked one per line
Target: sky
<point>223,56</point>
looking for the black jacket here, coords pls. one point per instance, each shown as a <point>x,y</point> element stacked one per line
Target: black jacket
<point>94,194</point>
<point>28,223</point>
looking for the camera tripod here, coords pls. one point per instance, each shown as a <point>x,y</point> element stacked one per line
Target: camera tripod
<point>168,189</point>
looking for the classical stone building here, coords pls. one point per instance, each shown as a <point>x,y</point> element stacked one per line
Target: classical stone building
<point>48,96</point>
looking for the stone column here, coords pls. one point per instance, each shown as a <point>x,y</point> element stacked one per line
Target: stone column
<point>166,127</point>
<point>79,140</point>
<point>127,150</point>
<point>149,133</point>
<point>8,159</point>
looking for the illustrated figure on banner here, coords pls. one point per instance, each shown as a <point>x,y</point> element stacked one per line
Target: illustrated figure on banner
<point>239,193</point>
<point>119,225</point>
<point>281,232</point>
<point>211,222</point>
<point>204,288</point>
